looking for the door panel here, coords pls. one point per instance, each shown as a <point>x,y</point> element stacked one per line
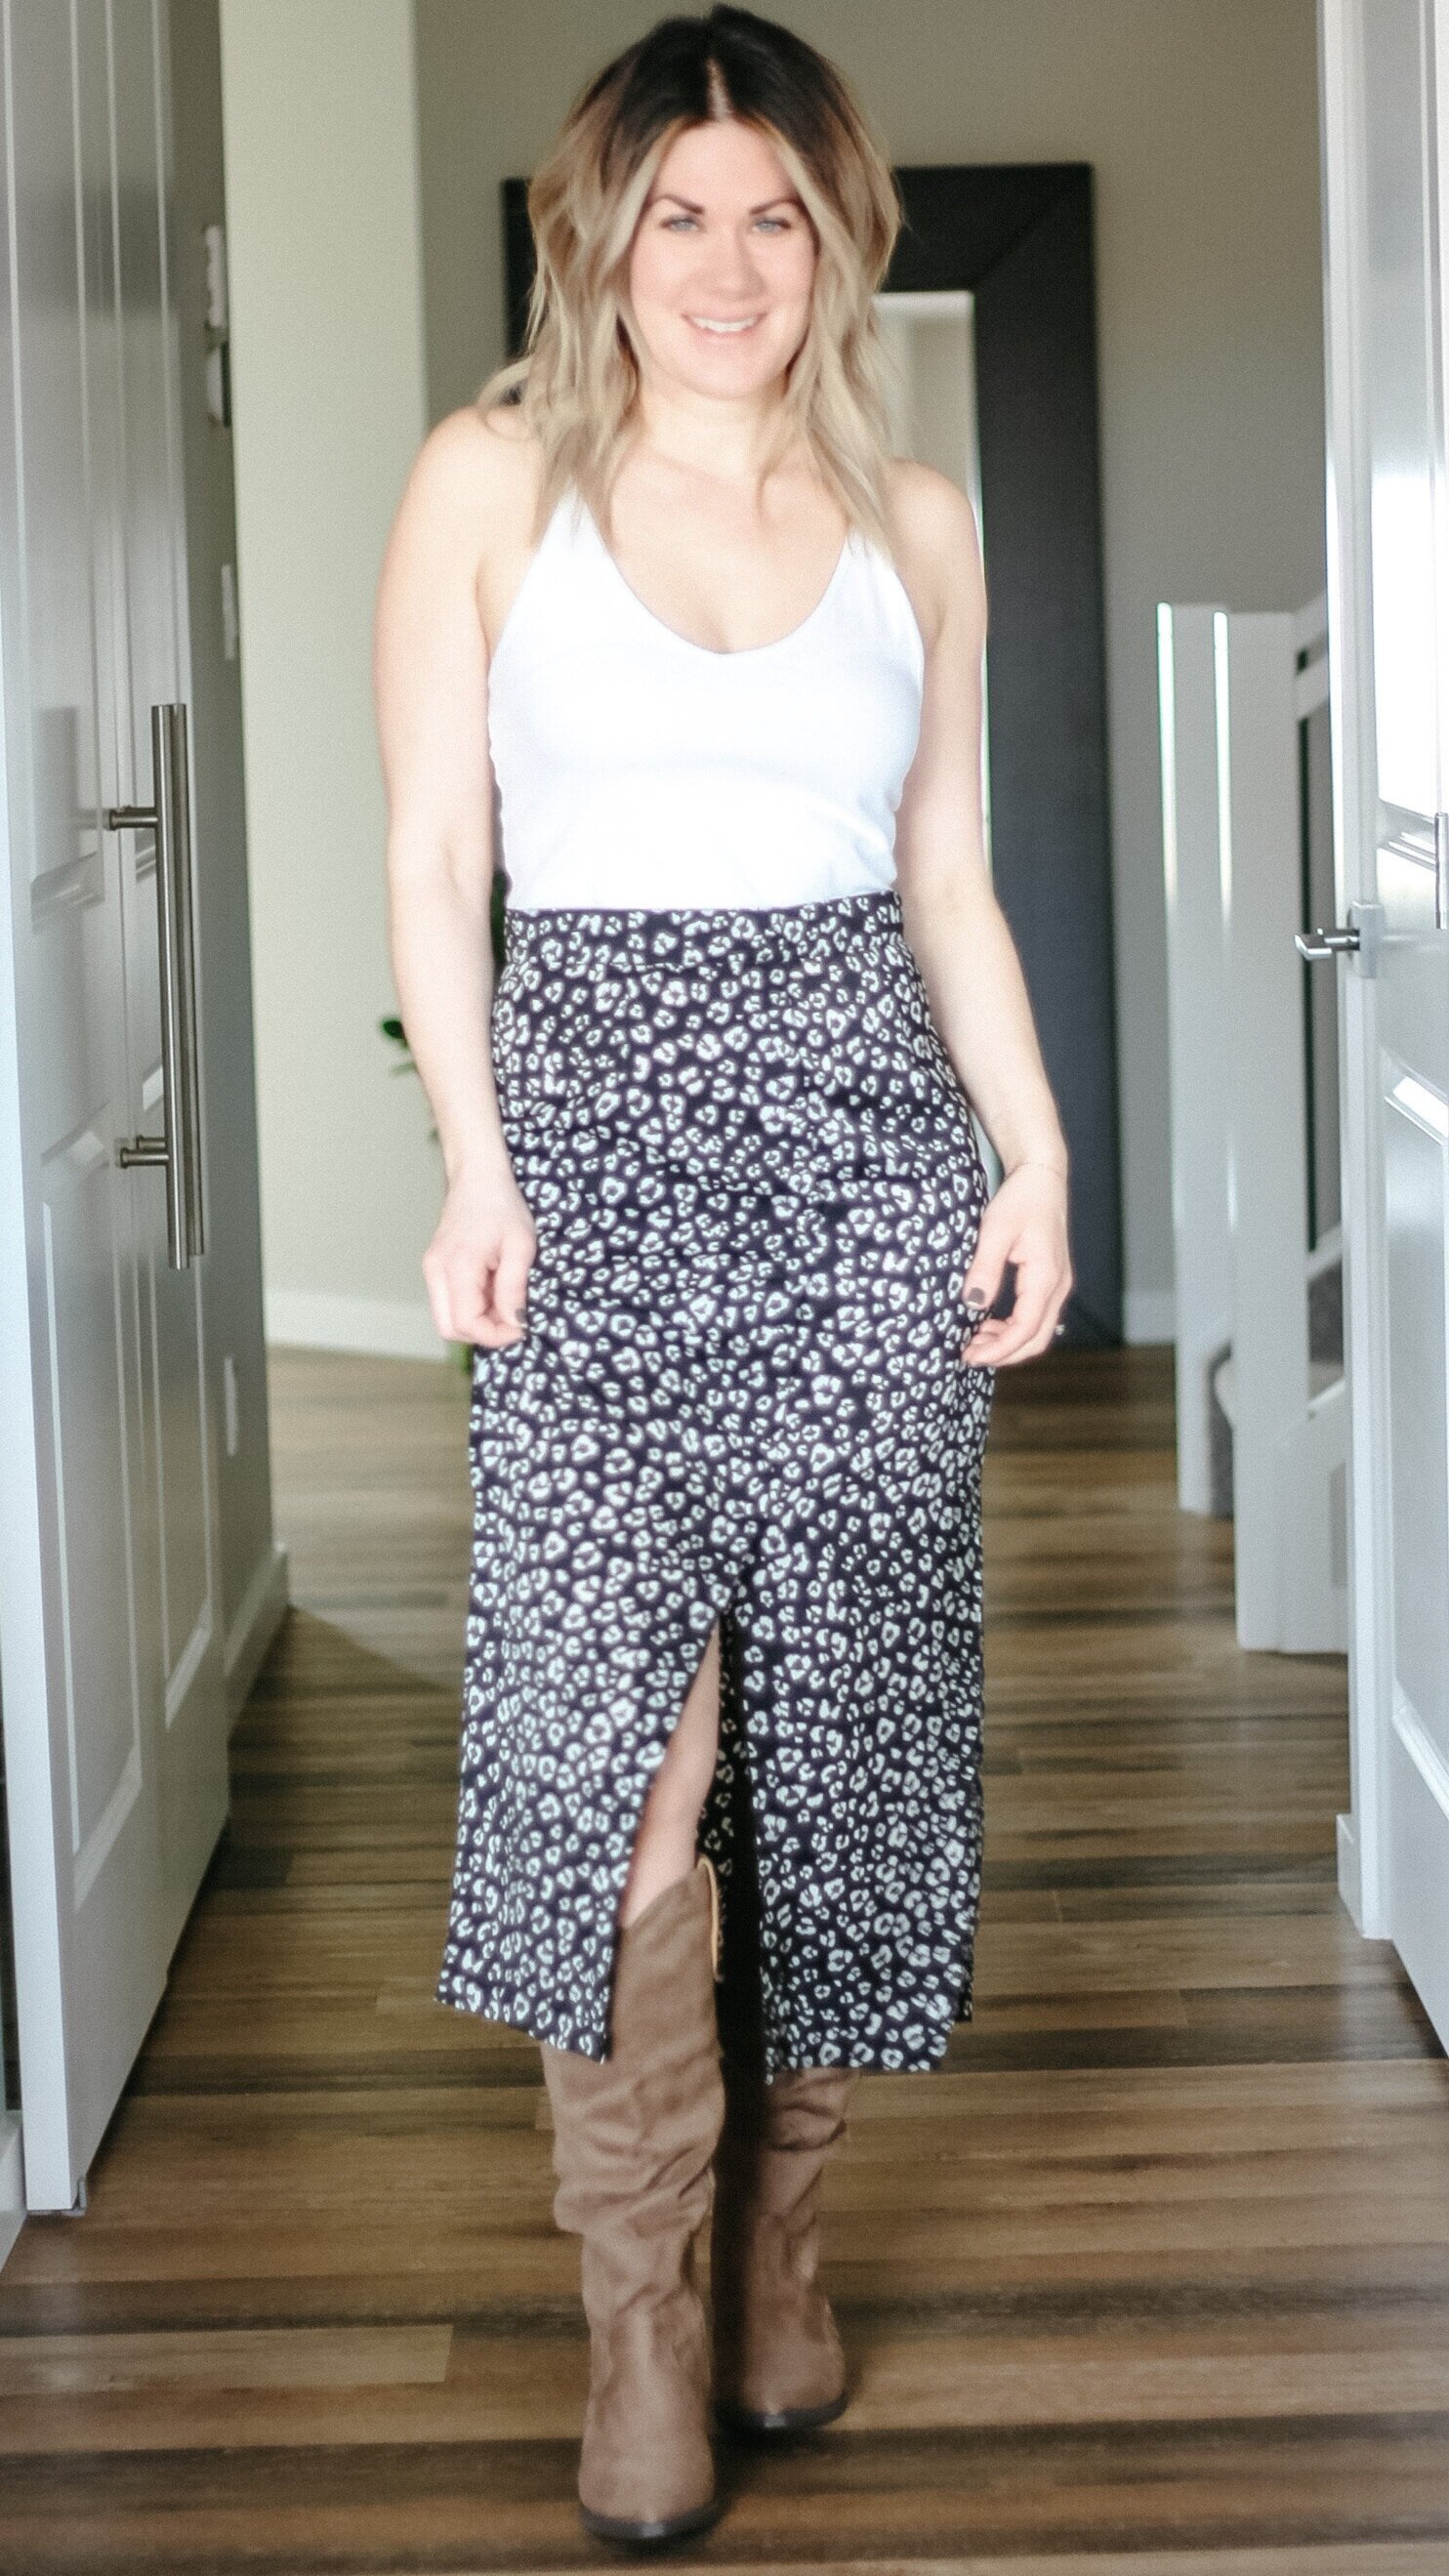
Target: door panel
<point>1388,500</point>
<point>103,1728</point>
<point>193,1765</point>
<point>1402,389</point>
<point>1415,1175</point>
<point>113,1709</point>
<point>82,1867</point>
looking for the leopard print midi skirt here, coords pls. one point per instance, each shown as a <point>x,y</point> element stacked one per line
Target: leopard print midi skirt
<point>739,1397</point>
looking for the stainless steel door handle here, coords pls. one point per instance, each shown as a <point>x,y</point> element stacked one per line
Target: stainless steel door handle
<point>178,1148</point>
<point>1314,944</point>
<point>1361,938</point>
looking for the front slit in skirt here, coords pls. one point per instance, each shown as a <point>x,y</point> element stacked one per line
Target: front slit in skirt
<point>739,1396</point>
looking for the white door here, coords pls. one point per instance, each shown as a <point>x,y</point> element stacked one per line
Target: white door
<point>114,1718</point>
<point>1386,146</point>
<point>153,668</point>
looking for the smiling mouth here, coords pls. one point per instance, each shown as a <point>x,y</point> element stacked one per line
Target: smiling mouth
<point>719,330</point>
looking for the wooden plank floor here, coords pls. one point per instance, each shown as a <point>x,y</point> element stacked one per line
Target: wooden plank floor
<point>1153,2276</point>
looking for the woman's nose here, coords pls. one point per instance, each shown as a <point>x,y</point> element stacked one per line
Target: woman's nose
<point>729,267</point>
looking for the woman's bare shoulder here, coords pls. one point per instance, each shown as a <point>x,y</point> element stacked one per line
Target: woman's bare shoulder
<point>479,470</point>
<point>937,545</point>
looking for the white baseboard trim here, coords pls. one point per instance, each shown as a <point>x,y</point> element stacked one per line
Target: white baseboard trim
<point>12,2182</point>
<point>252,1630</point>
<point>377,1325</point>
<point>1350,1882</point>
<point>1149,1315</point>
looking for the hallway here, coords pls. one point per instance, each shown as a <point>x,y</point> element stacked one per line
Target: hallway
<point>1154,2275</point>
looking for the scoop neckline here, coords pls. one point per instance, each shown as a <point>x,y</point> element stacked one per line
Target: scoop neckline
<point>717,652</point>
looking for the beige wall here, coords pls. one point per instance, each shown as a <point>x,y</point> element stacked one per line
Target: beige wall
<point>330,408</point>
<point>1200,120</point>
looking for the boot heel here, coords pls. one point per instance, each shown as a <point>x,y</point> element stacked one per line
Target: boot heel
<point>680,2526</point>
<point>785,2419</point>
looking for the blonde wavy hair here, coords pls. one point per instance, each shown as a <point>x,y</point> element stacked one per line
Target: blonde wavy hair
<point>577,381</point>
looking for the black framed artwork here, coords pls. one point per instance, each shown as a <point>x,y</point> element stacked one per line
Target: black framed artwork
<point>1019,237</point>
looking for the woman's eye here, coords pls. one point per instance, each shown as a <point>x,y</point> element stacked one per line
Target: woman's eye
<point>763,223</point>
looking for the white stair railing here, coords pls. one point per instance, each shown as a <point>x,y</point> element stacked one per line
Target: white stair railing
<point>1235,692</point>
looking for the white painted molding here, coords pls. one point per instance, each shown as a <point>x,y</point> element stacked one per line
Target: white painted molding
<point>1266,1109</point>
<point>1350,1885</point>
<point>1232,698</point>
<point>12,2182</point>
<point>1197,1016</point>
<point>1148,1315</point>
<point>1342,165</point>
<point>380,1326</point>
<point>264,1606</point>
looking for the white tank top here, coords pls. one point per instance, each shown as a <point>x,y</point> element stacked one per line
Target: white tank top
<point>634,768</point>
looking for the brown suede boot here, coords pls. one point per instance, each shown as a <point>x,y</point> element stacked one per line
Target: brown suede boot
<point>779,2367</point>
<point>634,2135</point>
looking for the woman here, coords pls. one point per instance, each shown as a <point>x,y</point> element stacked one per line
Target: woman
<point>714,1200</point>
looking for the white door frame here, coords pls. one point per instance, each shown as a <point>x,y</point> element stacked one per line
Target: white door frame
<point>1362,1832</point>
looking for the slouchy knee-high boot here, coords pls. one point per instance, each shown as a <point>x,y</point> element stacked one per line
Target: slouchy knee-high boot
<point>634,2138</point>
<point>779,2366</point>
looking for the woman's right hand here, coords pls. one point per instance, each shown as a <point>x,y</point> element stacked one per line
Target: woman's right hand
<point>478,1262</point>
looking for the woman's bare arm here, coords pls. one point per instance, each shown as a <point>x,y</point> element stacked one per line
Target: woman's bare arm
<point>430,683</point>
<point>959,934</point>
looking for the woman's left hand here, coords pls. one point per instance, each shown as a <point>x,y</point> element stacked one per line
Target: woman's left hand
<point>1024,1223</point>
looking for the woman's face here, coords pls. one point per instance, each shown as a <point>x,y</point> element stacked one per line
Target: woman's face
<point>722,264</point>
